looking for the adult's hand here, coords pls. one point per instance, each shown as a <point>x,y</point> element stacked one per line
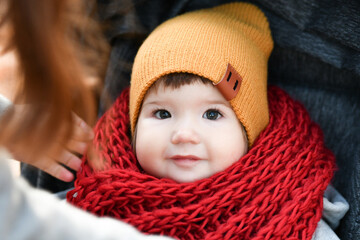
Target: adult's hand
<point>69,155</point>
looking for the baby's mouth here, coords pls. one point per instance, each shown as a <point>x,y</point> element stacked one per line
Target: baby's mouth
<point>185,161</point>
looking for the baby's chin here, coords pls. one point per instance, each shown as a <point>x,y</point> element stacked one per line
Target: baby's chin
<point>179,174</point>
<point>183,178</point>
<point>186,179</point>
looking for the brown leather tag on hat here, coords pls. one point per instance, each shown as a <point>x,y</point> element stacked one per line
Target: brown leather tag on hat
<point>229,85</point>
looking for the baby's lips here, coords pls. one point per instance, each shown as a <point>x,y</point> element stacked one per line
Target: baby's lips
<point>185,157</point>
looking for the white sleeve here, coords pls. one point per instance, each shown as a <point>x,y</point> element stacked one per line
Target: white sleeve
<point>29,213</point>
<point>324,232</point>
<point>334,208</point>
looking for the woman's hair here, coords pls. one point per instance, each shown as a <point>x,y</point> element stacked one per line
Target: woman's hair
<point>61,53</point>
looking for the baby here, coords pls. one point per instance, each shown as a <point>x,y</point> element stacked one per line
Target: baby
<point>217,157</point>
<point>187,130</point>
<point>198,92</point>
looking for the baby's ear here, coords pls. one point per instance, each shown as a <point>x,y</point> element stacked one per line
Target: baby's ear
<point>229,85</point>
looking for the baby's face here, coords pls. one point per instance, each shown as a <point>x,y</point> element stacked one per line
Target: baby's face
<point>188,133</point>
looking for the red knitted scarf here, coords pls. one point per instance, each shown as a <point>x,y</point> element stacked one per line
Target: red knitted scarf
<point>274,192</point>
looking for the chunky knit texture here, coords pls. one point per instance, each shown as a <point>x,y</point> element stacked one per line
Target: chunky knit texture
<point>204,42</point>
<point>274,192</point>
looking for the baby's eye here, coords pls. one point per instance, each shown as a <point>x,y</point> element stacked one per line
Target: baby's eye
<point>212,114</point>
<point>162,114</point>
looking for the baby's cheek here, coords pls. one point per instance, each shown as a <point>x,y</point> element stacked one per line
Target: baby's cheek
<point>238,145</point>
<point>236,154</point>
<point>144,159</point>
<point>230,154</point>
<point>148,158</point>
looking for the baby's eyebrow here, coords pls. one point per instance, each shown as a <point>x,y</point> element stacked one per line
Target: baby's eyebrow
<point>207,102</point>
<point>155,102</point>
<point>218,102</point>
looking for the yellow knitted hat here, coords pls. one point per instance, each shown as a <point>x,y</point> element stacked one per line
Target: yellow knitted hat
<point>204,43</point>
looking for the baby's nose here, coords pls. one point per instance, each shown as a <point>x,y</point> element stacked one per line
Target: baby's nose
<point>185,136</point>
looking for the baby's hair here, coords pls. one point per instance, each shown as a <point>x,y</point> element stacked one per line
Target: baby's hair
<point>177,80</point>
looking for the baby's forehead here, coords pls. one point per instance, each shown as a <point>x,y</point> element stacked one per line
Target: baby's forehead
<point>196,94</point>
